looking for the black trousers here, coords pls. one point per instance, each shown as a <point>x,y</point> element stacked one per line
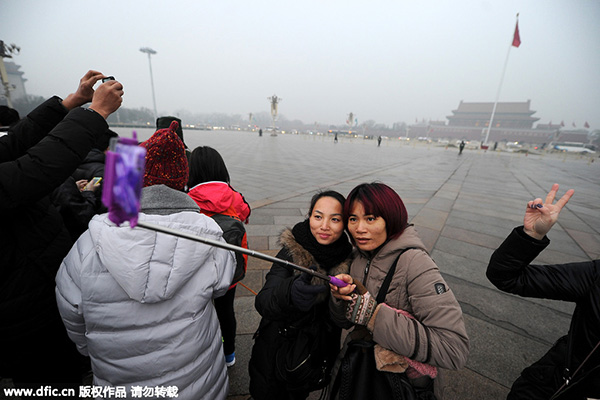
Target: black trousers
<point>226,315</point>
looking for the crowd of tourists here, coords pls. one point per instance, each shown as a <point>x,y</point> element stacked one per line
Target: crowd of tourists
<point>354,306</point>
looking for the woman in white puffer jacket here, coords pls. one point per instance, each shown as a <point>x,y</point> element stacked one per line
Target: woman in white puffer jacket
<point>140,303</point>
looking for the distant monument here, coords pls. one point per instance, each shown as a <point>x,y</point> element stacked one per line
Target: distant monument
<point>350,121</point>
<point>274,100</point>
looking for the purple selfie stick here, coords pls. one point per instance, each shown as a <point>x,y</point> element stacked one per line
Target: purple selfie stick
<point>224,245</point>
<point>337,282</point>
<point>123,176</point>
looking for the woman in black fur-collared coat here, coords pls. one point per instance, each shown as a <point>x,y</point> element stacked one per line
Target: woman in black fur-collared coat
<point>294,306</point>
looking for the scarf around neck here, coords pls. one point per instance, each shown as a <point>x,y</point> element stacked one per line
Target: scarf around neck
<point>327,256</point>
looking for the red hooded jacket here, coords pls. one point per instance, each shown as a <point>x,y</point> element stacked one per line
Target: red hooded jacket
<point>217,199</point>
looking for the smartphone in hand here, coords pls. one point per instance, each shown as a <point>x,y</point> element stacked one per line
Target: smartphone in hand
<point>93,184</point>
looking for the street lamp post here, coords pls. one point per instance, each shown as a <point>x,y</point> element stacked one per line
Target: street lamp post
<point>150,52</point>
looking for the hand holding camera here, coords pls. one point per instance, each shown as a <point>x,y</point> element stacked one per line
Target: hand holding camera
<point>84,92</point>
<point>108,97</point>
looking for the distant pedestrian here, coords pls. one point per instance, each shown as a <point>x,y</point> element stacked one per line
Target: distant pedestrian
<point>378,141</point>
<point>495,145</point>
<point>461,147</point>
<point>335,139</point>
<point>571,368</point>
<point>260,132</point>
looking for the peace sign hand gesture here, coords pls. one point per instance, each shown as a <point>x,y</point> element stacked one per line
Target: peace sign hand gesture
<point>539,217</point>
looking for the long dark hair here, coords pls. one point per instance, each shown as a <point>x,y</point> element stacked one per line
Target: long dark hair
<point>206,165</point>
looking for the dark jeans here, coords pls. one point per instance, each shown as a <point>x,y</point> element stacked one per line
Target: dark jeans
<point>226,315</point>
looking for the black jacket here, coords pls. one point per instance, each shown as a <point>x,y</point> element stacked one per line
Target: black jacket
<point>37,155</point>
<point>279,314</point>
<point>510,271</point>
<point>78,207</point>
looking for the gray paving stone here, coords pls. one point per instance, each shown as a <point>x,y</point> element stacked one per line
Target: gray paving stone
<point>464,249</point>
<point>457,220</point>
<point>288,221</point>
<point>465,383</point>
<point>461,267</point>
<point>464,235</point>
<point>498,354</point>
<point>535,321</point>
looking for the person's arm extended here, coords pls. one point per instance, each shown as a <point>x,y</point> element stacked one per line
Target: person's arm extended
<point>273,301</point>
<point>45,147</point>
<point>47,165</point>
<point>510,270</point>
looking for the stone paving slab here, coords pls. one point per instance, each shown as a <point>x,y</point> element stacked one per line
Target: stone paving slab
<point>539,322</point>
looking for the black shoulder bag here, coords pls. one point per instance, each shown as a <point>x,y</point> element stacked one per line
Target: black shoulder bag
<point>307,352</point>
<point>358,377</point>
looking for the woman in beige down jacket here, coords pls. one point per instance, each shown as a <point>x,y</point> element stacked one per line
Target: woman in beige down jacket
<point>419,328</point>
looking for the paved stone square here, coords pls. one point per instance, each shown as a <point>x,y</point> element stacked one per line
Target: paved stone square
<point>462,206</point>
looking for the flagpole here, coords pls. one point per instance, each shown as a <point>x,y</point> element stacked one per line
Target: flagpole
<point>487,135</point>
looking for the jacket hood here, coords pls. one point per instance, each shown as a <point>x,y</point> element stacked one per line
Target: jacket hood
<point>152,267</point>
<point>218,197</point>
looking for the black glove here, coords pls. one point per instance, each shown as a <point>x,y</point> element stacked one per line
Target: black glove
<point>303,294</point>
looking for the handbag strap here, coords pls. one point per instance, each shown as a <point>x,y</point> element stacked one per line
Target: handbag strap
<point>388,278</point>
<point>569,379</point>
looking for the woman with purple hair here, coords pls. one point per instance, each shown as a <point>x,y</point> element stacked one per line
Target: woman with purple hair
<point>419,326</point>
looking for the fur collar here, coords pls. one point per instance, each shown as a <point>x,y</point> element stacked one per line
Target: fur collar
<point>303,258</point>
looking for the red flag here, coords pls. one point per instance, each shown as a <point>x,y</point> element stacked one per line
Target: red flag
<point>586,124</point>
<point>516,38</point>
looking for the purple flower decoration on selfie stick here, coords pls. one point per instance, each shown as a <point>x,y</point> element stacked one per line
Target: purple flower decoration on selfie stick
<point>123,177</point>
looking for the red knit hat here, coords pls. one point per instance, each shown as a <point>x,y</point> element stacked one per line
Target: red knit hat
<point>166,162</point>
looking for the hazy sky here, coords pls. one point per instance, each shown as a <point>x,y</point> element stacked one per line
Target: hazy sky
<point>389,61</point>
